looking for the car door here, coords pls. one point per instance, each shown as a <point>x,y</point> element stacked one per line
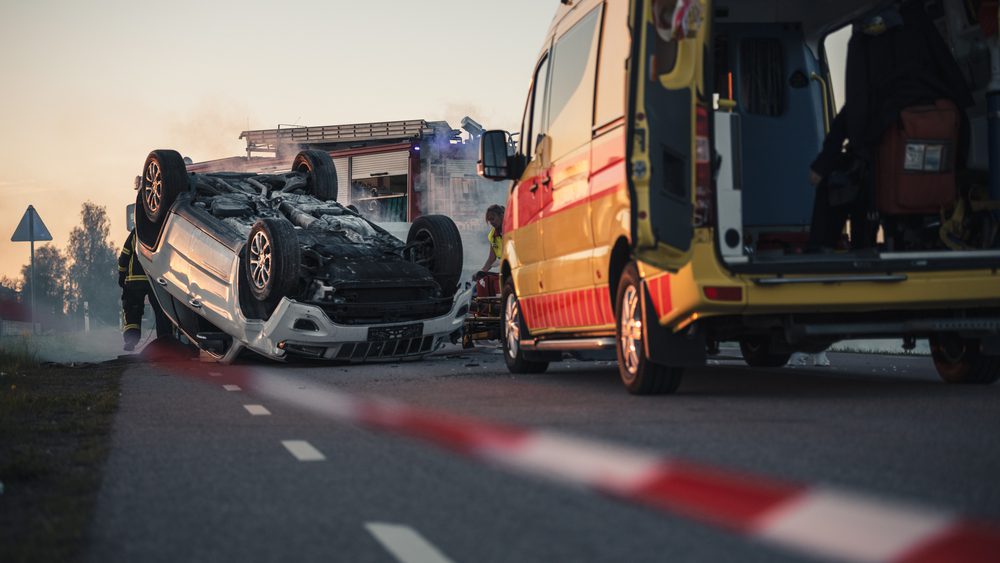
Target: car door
<point>529,197</point>
<point>568,242</point>
<point>667,90</point>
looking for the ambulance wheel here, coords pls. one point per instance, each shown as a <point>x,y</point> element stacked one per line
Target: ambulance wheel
<point>164,177</point>
<point>435,243</point>
<point>640,375</point>
<point>512,331</point>
<point>960,360</point>
<point>321,174</point>
<point>757,353</point>
<point>272,261</point>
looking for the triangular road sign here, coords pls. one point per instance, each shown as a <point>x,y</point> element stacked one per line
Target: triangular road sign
<point>30,228</point>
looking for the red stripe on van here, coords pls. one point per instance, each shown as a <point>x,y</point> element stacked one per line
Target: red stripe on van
<point>659,292</point>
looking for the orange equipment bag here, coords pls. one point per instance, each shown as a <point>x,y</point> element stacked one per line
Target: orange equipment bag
<point>916,165</point>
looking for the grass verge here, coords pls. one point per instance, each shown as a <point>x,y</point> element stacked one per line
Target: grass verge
<point>55,424</point>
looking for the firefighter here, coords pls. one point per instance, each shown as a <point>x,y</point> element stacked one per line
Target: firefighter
<point>135,288</point>
<point>494,216</point>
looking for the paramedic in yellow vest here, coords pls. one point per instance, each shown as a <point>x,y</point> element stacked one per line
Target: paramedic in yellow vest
<point>135,289</point>
<point>494,216</point>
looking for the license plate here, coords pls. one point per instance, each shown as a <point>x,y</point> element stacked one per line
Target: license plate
<point>379,333</point>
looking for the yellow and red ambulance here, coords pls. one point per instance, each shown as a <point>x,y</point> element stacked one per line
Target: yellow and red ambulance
<point>661,197</point>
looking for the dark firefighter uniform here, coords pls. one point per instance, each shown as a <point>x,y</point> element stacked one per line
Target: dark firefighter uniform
<point>135,289</point>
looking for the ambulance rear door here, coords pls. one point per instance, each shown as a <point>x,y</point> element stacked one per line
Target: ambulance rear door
<point>666,145</point>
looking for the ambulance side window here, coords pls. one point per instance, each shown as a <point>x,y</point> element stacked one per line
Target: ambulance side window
<point>610,103</point>
<point>574,62</point>
<point>533,124</point>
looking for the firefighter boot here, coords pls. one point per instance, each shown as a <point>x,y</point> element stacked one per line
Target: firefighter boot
<point>131,337</point>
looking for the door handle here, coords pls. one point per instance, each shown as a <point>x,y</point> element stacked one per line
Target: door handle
<point>546,181</point>
<point>162,282</point>
<point>196,303</point>
<point>533,188</point>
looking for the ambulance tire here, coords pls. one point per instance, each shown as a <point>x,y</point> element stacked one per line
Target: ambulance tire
<point>512,331</point>
<point>164,177</point>
<point>757,353</point>
<point>435,243</point>
<point>960,360</point>
<point>640,375</point>
<point>321,173</point>
<point>272,261</point>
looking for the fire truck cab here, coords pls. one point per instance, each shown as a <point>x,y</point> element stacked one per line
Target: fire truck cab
<point>662,202</point>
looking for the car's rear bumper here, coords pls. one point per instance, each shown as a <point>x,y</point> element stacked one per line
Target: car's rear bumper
<point>297,330</point>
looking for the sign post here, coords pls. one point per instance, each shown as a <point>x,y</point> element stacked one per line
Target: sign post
<point>30,229</point>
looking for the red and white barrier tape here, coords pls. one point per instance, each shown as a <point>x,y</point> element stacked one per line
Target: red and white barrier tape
<point>820,521</point>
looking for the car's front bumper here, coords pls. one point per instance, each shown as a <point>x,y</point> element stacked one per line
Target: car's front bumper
<point>297,330</point>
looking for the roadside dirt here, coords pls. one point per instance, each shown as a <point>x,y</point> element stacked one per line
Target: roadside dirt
<point>55,424</point>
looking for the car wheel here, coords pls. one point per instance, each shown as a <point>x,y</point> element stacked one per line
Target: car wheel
<point>164,177</point>
<point>321,174</point>
<point>757,353</point>
<point>640,375</point>
<point>435,243</point>
<point>272,255</point>
<point>960,360</point>
<point>512,331</point>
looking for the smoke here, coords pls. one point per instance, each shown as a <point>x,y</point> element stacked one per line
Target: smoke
<point>448,184</point>
<point>204,133</point>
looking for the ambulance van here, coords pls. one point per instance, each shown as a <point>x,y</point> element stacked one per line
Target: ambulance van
<point>662,202</point>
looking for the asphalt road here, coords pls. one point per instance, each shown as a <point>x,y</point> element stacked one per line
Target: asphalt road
<point>194,475</point>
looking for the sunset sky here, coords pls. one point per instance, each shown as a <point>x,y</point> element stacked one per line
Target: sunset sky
<point>89,88</point>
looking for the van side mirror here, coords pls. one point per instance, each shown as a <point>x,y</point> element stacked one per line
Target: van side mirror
<point>494,164</point>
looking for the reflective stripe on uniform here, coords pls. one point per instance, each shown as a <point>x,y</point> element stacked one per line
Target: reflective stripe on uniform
<point>129,327</point>
<point>496,243</point>
<point>137,278</point>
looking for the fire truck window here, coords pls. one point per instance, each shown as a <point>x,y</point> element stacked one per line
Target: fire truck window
<point>572,97</point>
<point>381,198</point>
<point>534,123</point>
<point>611,66</point>
<point>762,84</point>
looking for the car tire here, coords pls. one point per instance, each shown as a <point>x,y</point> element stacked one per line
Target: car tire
<point>757,353</point>
<point>639,374</point>
<point>164,177</point>
<point>321,173</point>
<point>272,261</point>
<point>960,360</point>
<point>435,243</point>
<point>512,330</point>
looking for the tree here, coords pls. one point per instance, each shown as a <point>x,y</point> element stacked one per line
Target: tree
<point>50,282</point>
<point>9,288</point>
<point>93,274</point>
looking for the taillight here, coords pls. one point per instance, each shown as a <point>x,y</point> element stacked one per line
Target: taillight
<point>703,209</point>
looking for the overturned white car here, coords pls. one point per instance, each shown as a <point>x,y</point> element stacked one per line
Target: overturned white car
<point>272,263</point>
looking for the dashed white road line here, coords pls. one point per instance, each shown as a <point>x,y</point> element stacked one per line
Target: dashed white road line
<point>215,374</point>
<point>302,450</point>
<point>257,410</point>
<point>232,387</point>
<point>405,544</point>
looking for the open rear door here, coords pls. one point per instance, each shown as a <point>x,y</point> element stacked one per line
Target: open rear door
<point>666,82</point>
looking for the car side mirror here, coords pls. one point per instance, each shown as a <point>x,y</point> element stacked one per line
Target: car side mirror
<point>494,163</point>
<point>130,217</point>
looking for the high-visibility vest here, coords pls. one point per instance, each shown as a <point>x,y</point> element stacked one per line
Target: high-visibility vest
<point>496,243</point>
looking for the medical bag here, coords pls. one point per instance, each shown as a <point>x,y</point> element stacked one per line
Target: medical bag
<point>916,164</point>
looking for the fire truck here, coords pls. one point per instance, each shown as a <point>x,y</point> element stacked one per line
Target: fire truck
<point>391,171</point>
